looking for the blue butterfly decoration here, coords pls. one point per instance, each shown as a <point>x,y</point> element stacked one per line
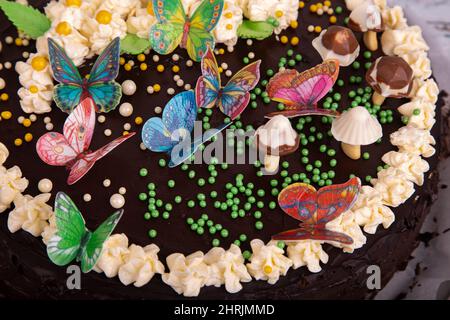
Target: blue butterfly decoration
<point>100,84</point>
<point>176,124</point>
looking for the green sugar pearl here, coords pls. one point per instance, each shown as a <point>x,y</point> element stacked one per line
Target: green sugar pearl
<point>289,53</point>
<point>367,54</point>
<point>178,199</point>
<point>143,172</point>
<point>269,72</point>
<point>259,225</point>
<point>171,183</point>
<point>272,205</point>
<point>147,216</point>
<point>224,233</point>
<point>152,233</point>
<point>257,214</point>
<point>151,186</point>
<point>323,148</point>
<point>215,242</point>
<point>189,221</point>
<point>246,255</point>
<point>243,237</point>
<point>166,215</point>
<point>142,196</point>
<point>246,60</point>
<point>366,156</point>
<point>416,112</point>
<point>191,203</point>
<point>162,163</point>
<point>356,65</point>
<point>298,57</point>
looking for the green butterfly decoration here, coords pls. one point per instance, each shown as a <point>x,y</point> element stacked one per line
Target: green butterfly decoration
<point>73,240</point>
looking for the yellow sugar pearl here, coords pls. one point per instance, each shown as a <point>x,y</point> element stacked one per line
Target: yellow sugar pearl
<point>221,51</point>
<point>127,66</point>
<point>34,89</point>
<point>333,19</point>
<point>138,120</point>
<point>4,97</point>
<point>6,115</point>
<point>103,17</point>
<point>327,3</point>
<point>229,26</point>
<point>122,61</point>
<point>63,28</point>
<point>295,41</point>
<point>294,24</point>
<point>28,137</point>
<point>150,8</point>
<point>26,123</point>
<point>143,66</point>
<point>284,39</point>
<point>141,57</point>
<point>220,69</point>
<point>125,133</point>
<point>278,13</point>
<point>18,142</point>
<point>18,42</point>
<point>229,15</point>
<point>176,69</point>
<point>319,5</point>
<point>268,269</point>
<point>73,3</point>
<point>39,63</point>
<point>318,29</point>
<point>301,4</point>
<point>313,8</point>
<point>156,87</point>
<point>160,68</point>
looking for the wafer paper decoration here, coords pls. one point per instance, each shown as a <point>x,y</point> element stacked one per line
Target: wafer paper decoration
<point>176,125</point>
<point>314,209</point>
<point>301,92</point>
<point>175,28</point>
<point>235,96</point>
<point>73,240</point>
<point>71,149</point>
<point>99,85</point>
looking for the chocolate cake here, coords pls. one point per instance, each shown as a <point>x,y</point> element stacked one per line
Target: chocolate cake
<point>27,272</point>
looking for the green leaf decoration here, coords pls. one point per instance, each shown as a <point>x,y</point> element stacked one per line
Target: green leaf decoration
<point>132,44</point>
<point>255,30</point>
<point>26,19</point>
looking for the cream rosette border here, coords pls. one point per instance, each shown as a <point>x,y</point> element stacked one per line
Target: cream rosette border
<point>137,265</point>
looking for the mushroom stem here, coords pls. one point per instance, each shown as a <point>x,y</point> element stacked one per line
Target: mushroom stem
<point>271,163</point>
<point>378,99</point>
<point>352,151</point>
<point>370,40</point>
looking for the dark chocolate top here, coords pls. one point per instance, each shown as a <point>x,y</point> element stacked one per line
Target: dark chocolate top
<point>340,40</point>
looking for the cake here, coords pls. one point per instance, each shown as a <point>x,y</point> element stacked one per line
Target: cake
<point>187,241</point>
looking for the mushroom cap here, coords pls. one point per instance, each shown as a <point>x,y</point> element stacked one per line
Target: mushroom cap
<point>277,137</point>
<point>357,127</point>
<point>338,43</point>
<point>391,77</point>
<point>366,17</point>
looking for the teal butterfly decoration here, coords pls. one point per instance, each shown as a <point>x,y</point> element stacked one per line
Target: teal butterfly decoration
<point>73,240</point>
<point>100,84</point>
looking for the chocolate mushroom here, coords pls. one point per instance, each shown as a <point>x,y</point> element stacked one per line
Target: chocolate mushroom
<point>276,138</point>
<point>367,18</point>
<point>355,128</point>
<point>390,77</point>
<point>337,43</point>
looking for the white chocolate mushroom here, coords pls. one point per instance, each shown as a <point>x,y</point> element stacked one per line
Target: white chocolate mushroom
<point>276,138</point>
<point>337,43</point>
<point>367,18</point>
<point>355,128</point>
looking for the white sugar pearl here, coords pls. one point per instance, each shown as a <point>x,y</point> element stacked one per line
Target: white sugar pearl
<point>158,110</point>
<point>175,57</point>
<point>131,63</point>
<point>147,51</point>
<point>228,73</point>
<point>33,118</point>
<point>87,197</point>
<point>47,120</point>
<point>106,183</point>
<point>251,55</point>
<point>187,86</point>
<point>127,127</point>
<point>117,201</point>
<point>129,87</point>
<point>25,54</point>
<point>2,84</point>
<point>230,49</point>
<point>122,190</point>
<point>9,40</point>
<point>8,65</point>
<point>107,132</point>
<point>224,66</point>
<point>45,185</point>
<point>142,146</point>
<point>330,11</point>
<point>320,11</point>
<point>20,119</point>
<point>25,42</point>
<point>311,28</point>
<point>180,83</point>
<point>176,77</point>
<point>189,63</point>
<point>171,91</point>
<point>150,89</point>
<point>249,42</point>
<point>126,109</point>
<point>155,58</point>
<point>49,126</point>
<point>101,119</point>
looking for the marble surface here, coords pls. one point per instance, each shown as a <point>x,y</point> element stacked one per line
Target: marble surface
<point>428,273</point>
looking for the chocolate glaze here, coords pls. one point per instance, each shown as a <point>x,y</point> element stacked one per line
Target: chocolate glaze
<point>340,40</point>
<point>26,272</point>
<point>392,71</point>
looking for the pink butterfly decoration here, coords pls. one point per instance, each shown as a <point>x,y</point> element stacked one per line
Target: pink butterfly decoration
<point>301,92</point>
<point>71,149</point>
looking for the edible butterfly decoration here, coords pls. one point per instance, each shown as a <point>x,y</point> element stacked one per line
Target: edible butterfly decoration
<point>71,149</point>
<point>100,84</point>
<point>234,97</point>
<point>177,123</point>
<point>314,209</point>
<point>175,28</point>
<point>73,240</point>
<point>301,92</point>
